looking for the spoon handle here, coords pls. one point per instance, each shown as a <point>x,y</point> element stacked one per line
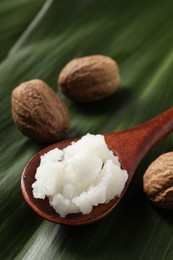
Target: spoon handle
<point>135,143</point>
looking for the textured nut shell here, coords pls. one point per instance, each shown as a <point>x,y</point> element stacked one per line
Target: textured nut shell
<point>158,181</point>
<point>89,78</point>
<point>38,112</point>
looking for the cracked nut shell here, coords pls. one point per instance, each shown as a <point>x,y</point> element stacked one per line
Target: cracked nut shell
<point>38,112</point>
<point>89,78</point>
<point>158,181</point>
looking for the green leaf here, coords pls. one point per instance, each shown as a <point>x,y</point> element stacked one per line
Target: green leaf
<point>15,17</point>
<point>38,39</point>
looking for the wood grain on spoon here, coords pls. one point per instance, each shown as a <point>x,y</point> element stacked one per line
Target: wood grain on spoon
<point>130,146</point>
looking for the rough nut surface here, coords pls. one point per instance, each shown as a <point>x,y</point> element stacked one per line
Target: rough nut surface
<point>89,78</point>
<point>158,181</point>
<point>38,112</point>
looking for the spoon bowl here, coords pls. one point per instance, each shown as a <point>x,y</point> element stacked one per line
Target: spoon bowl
<point>131,146</point>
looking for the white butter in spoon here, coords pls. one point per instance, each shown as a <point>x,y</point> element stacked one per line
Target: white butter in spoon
<point>82,175</point>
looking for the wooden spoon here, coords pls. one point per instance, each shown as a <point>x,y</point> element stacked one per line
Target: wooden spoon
<point>130,146</point>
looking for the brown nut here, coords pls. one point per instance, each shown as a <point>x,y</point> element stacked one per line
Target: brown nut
<point>158,181</point>
<point>89,78</point>
<point>38,112</point>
